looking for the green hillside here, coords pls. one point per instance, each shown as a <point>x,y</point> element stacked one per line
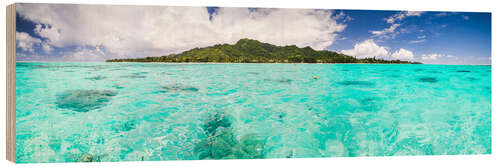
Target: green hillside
<point>253,51</point>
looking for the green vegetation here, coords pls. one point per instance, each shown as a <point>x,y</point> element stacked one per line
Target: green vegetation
<point>253,51</point>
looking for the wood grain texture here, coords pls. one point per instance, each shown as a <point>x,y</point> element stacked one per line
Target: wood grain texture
<point>11,82</point>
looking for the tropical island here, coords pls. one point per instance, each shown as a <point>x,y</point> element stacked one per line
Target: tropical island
<point>253,51</point>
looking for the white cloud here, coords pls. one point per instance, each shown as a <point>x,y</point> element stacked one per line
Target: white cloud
<point>369,48</point>
<point>402,15</point>
<point>392,31</point>
<point>46,47</point>
<point>387,30</point>
<point>442,14</point>
<point>46,31</point>
<point>417,41</point>
<point>136,31</point>
<point>435,56</point>
<point>414,13</point>
<point>84,54</point>
<point>402,54</point>
<point>26,42</point>
<point>343,17</point>
<point>28,56</point>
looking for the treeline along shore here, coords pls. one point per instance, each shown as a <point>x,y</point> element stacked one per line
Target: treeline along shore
<point>253,51</point>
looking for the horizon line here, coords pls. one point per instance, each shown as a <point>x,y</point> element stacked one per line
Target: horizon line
<point>22,61</point>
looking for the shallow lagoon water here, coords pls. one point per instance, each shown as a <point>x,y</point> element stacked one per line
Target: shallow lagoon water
<point>89,112</point>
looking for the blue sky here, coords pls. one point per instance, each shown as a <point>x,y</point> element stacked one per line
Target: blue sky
<point>464,35</point>
<point>96,32</point>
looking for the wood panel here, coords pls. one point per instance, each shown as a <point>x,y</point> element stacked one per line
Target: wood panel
<point>11,82</point>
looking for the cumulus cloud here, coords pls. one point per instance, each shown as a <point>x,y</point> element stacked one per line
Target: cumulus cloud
<point>26,42</point>
<point>84,54</point>
<point>369,48</point>
<point>46,47</point>
<point>402,54</point>
<point>136,31</point>
<point>47,31</point>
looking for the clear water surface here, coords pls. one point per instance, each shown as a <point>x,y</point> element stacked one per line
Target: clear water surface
<point>89,112</point>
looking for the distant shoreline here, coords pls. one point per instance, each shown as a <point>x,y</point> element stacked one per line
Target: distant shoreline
<point>236,63</point>
<point>302,63</point>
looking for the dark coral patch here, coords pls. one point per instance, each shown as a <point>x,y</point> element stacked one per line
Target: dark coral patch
<point>221,142</point>
<point>472,79</point>
<point>166,73</point>
<point>214,122</point>
<point>281,115</point>
<point>356,83</point>
<point>100,77</point>
<point>428,79</point>
<point>284,80</point>
<point>133,76</point>
<point>139,73</point>
<point>178,88</point>
<point>118,86</point>
<point>124,127</point>
<point>84,100</point>
<point>87,157</point>
<point>280,80</point>
<point>367,101</point>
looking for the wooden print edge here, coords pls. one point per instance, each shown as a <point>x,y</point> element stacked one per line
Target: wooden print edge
<point>11,82</point>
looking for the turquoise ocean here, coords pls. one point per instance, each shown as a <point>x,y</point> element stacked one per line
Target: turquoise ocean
<point>90,112</point>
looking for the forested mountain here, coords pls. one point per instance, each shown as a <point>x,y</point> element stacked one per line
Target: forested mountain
<point>253,51</point>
